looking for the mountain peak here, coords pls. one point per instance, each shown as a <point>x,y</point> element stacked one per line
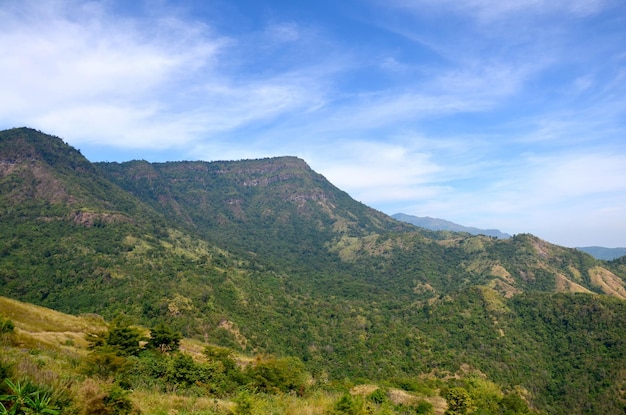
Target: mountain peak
<point>19,145</point>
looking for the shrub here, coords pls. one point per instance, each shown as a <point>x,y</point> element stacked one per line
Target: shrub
<point>124,337</point>
<point>104,363</point>
<point>113,401</point>
<point>163,338</point>
<point>378,396</point>
<point>348,405</point>
<point>459,401</point>
<point>244,404</point>
<point>278,375</point>
<point>6,326</point>
<point>424,407</point>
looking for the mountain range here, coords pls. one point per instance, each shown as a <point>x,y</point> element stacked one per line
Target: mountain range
<point>267,256</point>
<point>435,224</point>
<point>600,252</point>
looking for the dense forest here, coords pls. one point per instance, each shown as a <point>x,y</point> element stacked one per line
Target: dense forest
<point>284,291</point>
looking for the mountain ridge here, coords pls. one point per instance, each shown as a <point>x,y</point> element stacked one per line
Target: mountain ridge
<point>436,224</point>
<point>600,252</point>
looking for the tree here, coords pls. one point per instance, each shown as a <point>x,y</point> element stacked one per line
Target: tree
<point>278,374</point>
<point>459,401</point>
<point>124,337</point>
<point>165,339</point>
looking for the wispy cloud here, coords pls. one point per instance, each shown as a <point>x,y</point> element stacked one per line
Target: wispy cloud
<point>490,113</point>
<point>85,72</point>
<point>503,9</point>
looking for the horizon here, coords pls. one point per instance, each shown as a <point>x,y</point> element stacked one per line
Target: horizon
<point>489,114</point>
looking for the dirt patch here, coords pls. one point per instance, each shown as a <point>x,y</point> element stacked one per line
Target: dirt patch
<point>610,283</point>
<point>229,326</point>
<point>563,284</point>
<point>97,219</point>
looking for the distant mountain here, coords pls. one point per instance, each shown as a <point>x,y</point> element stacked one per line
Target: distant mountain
<point>435,224</point>
<point>600,252</point>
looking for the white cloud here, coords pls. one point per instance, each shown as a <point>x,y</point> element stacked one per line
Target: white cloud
<point>81,65</point>
<point>384,121</point>
<point>81,71</point>
<point>578,176</point>
<point>498,9</point>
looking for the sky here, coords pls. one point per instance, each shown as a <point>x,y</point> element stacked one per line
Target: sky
<point>507,114</point>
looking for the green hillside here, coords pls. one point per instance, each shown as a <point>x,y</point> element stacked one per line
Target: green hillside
<point>267,256</point>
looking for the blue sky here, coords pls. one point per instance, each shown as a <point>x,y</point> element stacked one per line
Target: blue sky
<point>501,114</point>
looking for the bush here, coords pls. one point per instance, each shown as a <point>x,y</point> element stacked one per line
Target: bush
<point>104,363</point>
<point>424,407</point>
<point>6,326</point>
<point>124,337</point>
<point>459,401</point>
<point>244,403</point>
<point>278,375</point>
<point>348,405</point>
<point>113,401</point>
<point>378,396</point>
<point>165,339</point>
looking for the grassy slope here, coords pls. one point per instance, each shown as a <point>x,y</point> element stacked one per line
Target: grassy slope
<point>47,347</point>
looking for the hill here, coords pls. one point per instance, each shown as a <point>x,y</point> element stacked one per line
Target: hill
<point>435,224</point>
<point>600,252</point>
<point>277,208</point>
<point>267,256</point>
<point>53,363</point>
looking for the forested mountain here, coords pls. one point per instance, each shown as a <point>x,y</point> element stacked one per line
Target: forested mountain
<point>267,256</point>
<point>277,208</point>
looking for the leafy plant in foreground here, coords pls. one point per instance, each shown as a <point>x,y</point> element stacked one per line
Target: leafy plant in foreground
<point>26,399</point>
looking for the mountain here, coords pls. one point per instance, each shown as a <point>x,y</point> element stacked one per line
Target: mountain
<point>278,208</point>
<point>266,256</point>
<point>606,254</point>
<point>435,224</point>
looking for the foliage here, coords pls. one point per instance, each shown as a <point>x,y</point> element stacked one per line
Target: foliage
<point>125,338</point>
<point>109,400</point>
<point>379,396</point>
<point>459,401</point>
<point>105,363</point>
<point>424,407</point>
<point>277,375</point>
<point>26,399</point>
<point>164,338</point>
<point>244,404</point>
<point>348,405</point>
<point>6,326</point>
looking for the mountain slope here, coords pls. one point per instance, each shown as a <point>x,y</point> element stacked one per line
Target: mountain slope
<point>293,219</point>
<point>266,256</point>
<point>435,224</point>
<point>277,208</point>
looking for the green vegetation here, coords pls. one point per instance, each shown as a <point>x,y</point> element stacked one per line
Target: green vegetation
<point>103,377</point>
<point>258,287</point>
